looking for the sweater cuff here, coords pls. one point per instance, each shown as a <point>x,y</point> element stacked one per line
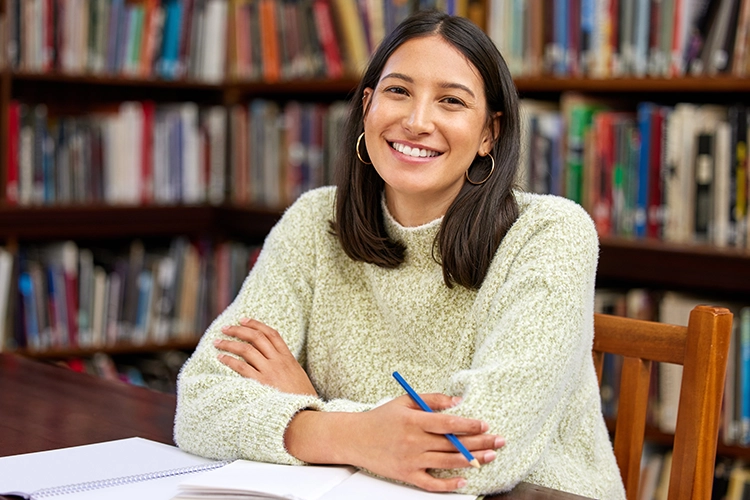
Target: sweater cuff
<point>265,437</point>
<point>345,405</point>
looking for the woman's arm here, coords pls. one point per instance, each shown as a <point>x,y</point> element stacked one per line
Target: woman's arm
<point>533,343</point>
<point>222,414</point>
<point>396,440</point>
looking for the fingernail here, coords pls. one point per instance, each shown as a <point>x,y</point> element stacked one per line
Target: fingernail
<point>489,456</point>
<point>456,400</point>
<point>485,426</point>
<point>244,320</point>
<point>217,341</point>
<point>225,328</point>
<point>499,442</point>
<point>219,357</point>
<point>461,483</point>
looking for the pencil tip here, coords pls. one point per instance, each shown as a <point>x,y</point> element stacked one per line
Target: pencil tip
<point>475,463</point>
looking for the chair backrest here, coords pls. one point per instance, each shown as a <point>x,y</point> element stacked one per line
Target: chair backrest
<point>702,349</point>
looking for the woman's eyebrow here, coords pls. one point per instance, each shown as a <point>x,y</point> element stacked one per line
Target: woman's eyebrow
<point>444,85</point>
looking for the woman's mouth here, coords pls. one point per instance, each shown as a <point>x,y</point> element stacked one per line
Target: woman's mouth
<point>414,152</point>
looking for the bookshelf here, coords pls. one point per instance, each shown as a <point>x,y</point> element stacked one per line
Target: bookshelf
<point>624,262</point>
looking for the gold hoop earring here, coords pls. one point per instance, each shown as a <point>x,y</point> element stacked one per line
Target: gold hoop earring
<point>466,173</point>
<point>359,139</point>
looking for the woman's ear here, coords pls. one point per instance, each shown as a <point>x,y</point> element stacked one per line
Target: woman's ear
<point>366,100</point>
<point>492,134</point>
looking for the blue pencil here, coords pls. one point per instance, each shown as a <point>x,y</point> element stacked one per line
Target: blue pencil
<point>452,438</point>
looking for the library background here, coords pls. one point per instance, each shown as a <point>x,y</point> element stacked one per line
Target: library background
<point>148,146</point>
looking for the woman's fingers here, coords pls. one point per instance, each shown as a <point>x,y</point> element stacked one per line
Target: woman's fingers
<point>245,351</point>
<point>271,335</point>
<point>427,482</point>
<point>252,336</point>
<point>442,460</point>
<point>478,443</point>
<point>241,367</point>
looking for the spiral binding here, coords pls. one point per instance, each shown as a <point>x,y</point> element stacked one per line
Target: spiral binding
<point>120,481</point>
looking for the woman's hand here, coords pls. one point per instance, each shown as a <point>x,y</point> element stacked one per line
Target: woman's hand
<point>264,356</point>
<point>396,440</point>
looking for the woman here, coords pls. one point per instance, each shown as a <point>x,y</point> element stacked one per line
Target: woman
<point>425,261</point>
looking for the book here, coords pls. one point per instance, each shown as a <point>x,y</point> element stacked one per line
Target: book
<point>244,479</point>
<point>141,468</point>
<point>124,469</point>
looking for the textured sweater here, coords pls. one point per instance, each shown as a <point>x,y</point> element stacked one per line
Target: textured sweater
<point>518,350</point>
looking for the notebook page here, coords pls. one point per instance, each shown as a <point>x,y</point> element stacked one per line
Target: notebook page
<point>284,481</point>
<point>125,457</point>
<point>363,486</point>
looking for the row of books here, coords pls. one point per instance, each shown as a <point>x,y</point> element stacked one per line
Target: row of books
<point>731,476</point>
<point>678,173</point>
<point>272,40</point>
<point>278,152</point>
<point>169,39</point>
<point>267,40</point>
<point>674,308</point>
<point>139,153</point>
<point>142,153</point>
<point>605,39</point>
<point>59,296</point>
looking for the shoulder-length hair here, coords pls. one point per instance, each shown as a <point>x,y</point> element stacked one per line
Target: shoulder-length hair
<point>481,215</point>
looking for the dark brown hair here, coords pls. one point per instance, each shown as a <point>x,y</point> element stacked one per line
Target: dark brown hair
<point>480,216</point>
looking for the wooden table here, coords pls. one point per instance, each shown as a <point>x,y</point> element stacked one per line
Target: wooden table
<point>44,407</point>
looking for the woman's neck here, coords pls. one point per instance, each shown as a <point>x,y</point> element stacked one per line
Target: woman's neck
<point>414,211</point>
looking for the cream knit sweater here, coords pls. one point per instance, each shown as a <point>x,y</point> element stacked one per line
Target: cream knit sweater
<point>518,350</point>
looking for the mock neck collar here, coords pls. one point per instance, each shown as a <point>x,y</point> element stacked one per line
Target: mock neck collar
<point>419,240</point>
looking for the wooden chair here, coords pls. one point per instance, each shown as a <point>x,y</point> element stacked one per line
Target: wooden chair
<point>702,348</point>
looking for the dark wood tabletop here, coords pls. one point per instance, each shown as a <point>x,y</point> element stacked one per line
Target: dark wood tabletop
<point>44,407</point>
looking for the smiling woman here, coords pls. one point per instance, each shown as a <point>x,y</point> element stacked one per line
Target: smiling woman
<point>423,259</point>
<point>423,131</point>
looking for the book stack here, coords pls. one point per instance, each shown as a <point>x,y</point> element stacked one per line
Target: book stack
<point>604,39</point>
<point>273,41</point>
<point>279,152</point>
<point>138,153</point>
<point>165,39</point>
<point>676,173</point>
<point>79,298</point>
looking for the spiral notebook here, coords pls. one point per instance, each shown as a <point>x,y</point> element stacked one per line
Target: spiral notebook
<point>122,469</point>
<point>141,469</point>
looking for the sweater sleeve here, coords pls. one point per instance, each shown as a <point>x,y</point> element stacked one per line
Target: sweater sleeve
<point>221,414</point>
<point>534,338</point>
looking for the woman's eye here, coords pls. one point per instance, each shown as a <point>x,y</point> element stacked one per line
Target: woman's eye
<point>396,90</point>
<point>453,100</point>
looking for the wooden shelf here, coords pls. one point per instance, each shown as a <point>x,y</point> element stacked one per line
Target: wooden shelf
<point>661,265</point>
<point>115,349</point>
<point>309,88</point>
<point>83,93</point>
<point>115,80</point>
<point>94,221</point>
<point>705,85</point>
<point>123,221</point>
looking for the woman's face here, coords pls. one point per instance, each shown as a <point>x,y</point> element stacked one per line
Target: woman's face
<point>425,122</point>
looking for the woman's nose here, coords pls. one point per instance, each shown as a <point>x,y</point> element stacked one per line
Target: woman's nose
<point>419,119</point>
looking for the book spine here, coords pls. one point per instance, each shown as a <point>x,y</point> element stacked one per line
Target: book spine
<point>738,180</point>
<point>704,174</point>
<point>645,112</point>
<point>654,214</point>
<point>326,32</point>
<point>11,181</point>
